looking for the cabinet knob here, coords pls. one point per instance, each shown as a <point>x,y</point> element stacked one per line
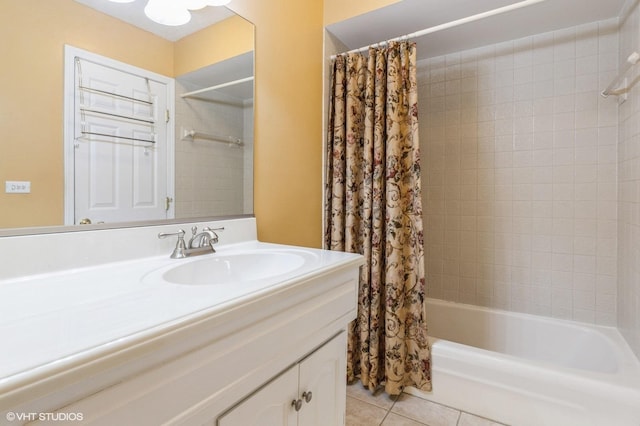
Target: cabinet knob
<point>307,396</point>
<point>297,404</point>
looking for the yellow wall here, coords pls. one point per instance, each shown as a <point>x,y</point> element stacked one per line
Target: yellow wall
<point>288,118</point>
<point>33,33</point>
<point>288,171</point>
<point>339,10</point>
<point>213,44</point>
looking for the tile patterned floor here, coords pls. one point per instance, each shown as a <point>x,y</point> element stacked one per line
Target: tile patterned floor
<point>364,409</point>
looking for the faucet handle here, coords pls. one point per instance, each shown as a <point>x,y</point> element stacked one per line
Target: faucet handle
<point>206,228</point>
<point>179,251</point>
<point>180,234</point>
<point>213,231</point>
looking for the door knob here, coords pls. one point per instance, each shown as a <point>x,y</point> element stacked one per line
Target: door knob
<point>296,404</point>
<point>307,396</point>
<point>85,221</point>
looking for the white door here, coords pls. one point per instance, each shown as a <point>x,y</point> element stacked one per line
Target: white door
<point>323,385</point>
<point>121,142</point>
<point>318,384</point>
<point>270,406</point>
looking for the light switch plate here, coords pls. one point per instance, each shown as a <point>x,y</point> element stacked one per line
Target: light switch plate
<point>17,187</point>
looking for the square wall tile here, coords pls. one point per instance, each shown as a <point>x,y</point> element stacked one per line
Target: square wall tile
<point>523,165</point>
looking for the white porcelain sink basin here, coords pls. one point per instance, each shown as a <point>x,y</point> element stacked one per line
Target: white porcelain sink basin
<point>233,268</point>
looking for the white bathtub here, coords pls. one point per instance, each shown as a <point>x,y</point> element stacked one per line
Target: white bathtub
<point>526,370</point>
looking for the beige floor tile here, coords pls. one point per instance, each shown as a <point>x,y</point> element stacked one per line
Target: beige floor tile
<point>425,411</point>
<point>467,419</point>
<point>397,420</point>
<point>378,398</point>
<point>360,413</point>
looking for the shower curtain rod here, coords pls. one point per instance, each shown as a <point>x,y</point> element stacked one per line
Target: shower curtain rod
<point>631,61</point>
<point>216,87</point>
<point>455,23</point>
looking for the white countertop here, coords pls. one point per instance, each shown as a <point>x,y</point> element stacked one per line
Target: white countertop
<point>52,320</point>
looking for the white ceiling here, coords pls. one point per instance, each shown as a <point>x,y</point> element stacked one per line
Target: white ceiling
<point>133,13</point>
<point>236,68</point>
<point>409,16</point>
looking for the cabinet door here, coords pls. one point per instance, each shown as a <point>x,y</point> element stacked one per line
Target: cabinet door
<point>323,373</point>
<point>270,406</point>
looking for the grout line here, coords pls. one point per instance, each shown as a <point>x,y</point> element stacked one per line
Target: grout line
<point>390,408</point>
<point>384,418</point>
<point>459,417</point>
<point>397,397</point>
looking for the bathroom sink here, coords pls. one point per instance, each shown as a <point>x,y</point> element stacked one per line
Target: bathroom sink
<point>233,268</point>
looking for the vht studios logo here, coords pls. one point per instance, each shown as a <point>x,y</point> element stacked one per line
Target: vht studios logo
<point>44,417</point>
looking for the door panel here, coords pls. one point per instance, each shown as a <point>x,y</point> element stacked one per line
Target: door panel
<point>120,155</point>
<point>323,374</point>
<point>270,406</point>
<point>145,173</point>
<point>97,168</point>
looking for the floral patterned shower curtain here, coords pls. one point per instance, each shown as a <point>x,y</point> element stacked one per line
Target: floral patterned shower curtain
<point>373,207</point>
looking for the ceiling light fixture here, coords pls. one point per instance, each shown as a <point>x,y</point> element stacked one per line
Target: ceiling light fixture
<point>167,12</point>
<point>195,4</point>
<point>174,12</point>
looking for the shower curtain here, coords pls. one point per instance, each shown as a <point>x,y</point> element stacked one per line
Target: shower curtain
<point>373,207</point>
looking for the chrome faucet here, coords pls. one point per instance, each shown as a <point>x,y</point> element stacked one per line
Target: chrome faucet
<point>206,238</point>
<point>200,243</point>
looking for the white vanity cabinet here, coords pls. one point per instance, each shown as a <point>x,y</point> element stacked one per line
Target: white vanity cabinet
<point>238,360</point>
<point>310,393</point>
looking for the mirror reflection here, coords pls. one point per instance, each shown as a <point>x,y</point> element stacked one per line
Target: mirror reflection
<point>210,147</point>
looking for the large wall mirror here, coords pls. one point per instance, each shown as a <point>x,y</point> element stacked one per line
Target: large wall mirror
<point>210,62</point>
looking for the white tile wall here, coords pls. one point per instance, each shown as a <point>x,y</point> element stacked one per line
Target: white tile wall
<point>519,169</point>
<point>629,191</point>
<point>210,177</point>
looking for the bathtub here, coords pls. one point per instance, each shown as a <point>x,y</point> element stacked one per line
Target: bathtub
<point>528,370</point>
